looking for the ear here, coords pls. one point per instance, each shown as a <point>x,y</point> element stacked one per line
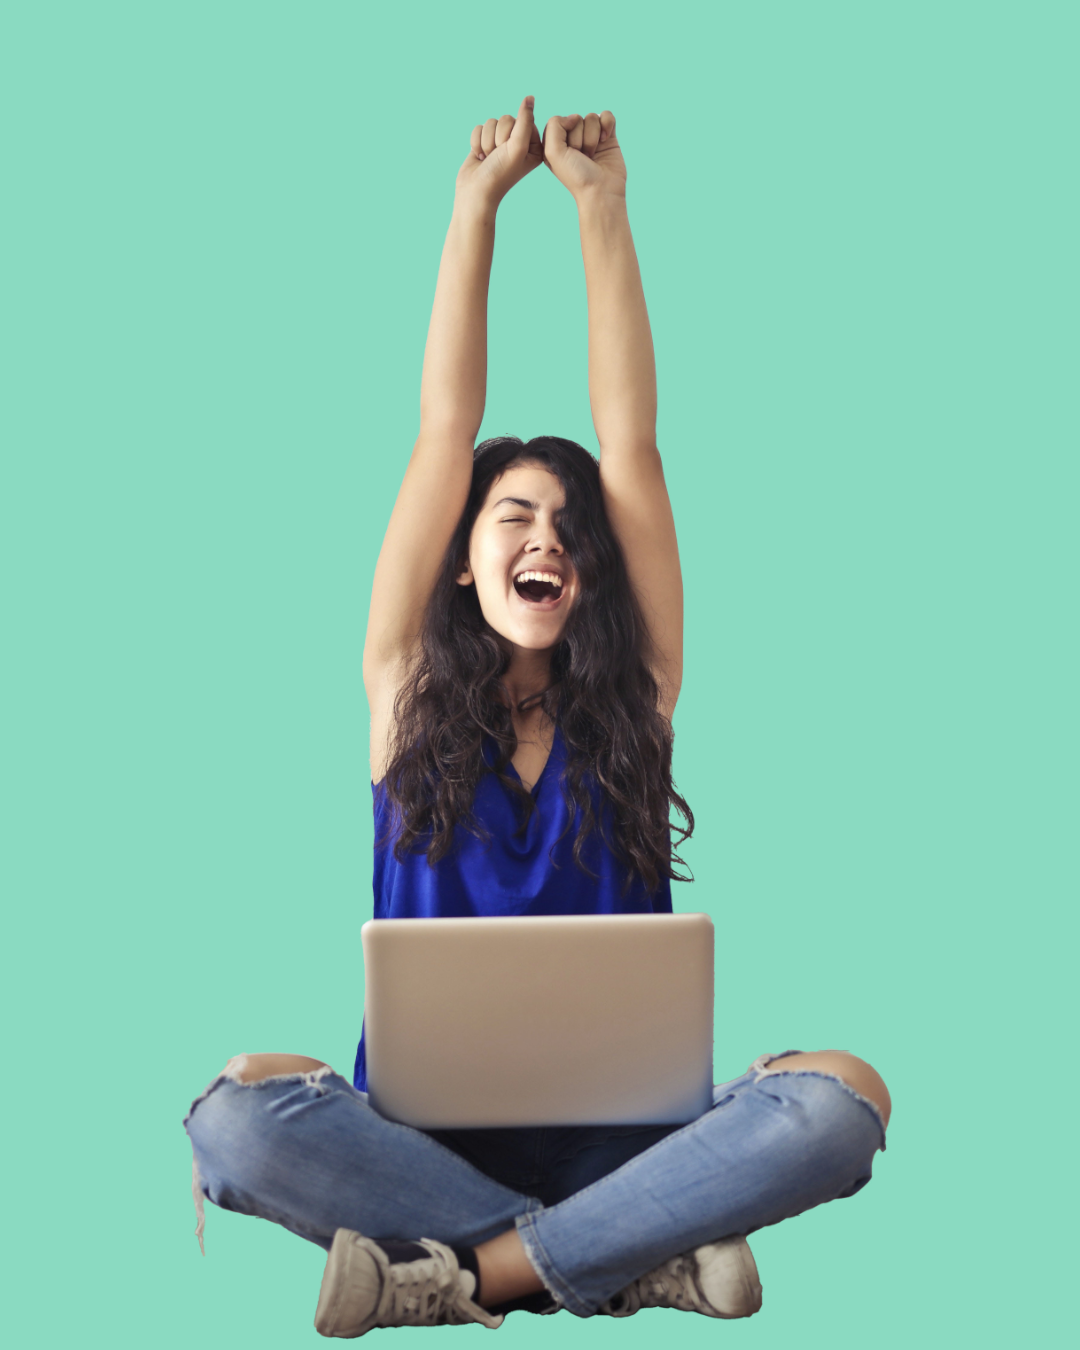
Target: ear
<point>465,577</point>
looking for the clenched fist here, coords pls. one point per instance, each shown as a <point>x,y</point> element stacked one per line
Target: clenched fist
<point>584,154</point>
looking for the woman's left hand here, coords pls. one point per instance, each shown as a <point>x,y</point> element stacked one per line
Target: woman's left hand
<point>502,153</point>
<point>584,155</point>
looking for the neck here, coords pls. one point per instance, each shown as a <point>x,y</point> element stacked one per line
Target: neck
<point>529,672</point>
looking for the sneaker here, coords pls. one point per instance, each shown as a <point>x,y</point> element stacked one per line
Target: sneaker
<point>719,1280</point>
<point>369,1284</point>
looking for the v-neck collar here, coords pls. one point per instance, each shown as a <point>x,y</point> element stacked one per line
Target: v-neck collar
<point>543,771</point>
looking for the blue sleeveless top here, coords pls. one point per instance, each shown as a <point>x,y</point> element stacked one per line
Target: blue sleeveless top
<point>510,874</point>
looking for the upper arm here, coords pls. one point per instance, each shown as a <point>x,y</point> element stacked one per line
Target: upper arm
<point>429,504</point>
<point>636,498</point>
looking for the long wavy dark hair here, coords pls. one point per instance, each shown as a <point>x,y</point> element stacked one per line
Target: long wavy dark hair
<point>602,692</point>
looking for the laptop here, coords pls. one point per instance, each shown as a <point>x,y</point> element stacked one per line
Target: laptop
<point>594,1019</point>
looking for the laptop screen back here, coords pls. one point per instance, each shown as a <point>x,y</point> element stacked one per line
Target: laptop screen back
<point>568,1020</point>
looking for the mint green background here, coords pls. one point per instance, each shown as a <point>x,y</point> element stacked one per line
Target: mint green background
<point>857,231</point>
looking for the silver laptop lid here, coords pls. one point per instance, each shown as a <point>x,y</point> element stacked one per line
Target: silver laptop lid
<point>601,1019</point>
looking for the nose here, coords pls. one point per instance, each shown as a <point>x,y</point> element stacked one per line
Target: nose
<point>545,540</point>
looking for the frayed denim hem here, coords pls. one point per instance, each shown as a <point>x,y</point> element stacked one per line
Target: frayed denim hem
<point>560,1291</point>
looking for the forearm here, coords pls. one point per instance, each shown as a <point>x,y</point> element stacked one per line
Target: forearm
<point>453,387</point>
<point>622,367</point>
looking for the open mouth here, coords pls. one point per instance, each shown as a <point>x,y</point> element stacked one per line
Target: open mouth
<point>537,591</point>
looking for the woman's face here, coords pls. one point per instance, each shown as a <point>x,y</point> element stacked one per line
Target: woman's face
<point>525,583</point>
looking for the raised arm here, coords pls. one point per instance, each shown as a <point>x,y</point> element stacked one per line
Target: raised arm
<point>436,483</point>
<point>585,155</point>
<point>452,393</point>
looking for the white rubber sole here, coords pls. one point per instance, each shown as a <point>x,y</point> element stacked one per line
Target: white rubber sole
<point>350,1289</point>
<point>728,1276</point>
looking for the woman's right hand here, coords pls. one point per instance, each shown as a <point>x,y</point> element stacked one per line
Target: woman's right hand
<point>503,152</point>
<point>584,154</point>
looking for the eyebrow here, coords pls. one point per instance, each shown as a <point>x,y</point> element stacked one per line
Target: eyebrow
<point>517,501</point>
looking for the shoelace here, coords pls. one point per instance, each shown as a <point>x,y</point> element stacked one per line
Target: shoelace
<point>420,1294</point>
<point>671,1285</point>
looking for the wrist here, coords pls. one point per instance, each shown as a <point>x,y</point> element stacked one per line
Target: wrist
<point>596,201</point>
<point>475,210</point>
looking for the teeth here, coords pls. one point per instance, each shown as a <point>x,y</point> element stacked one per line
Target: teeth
<point>552,577</point>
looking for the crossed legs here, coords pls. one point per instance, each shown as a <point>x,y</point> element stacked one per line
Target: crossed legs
<point>510,1268</point>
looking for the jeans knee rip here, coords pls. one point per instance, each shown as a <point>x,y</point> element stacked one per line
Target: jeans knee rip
<point>833,1078</point>
<point>238,1064</point>
<point>231,1072</point>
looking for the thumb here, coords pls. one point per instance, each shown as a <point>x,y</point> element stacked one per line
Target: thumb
<point>523,126</point>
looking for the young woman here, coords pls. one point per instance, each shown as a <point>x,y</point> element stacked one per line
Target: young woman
<point>523,659</point>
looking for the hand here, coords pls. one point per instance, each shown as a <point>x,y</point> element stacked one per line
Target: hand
<point>584,154</point>
<point>502,153</point>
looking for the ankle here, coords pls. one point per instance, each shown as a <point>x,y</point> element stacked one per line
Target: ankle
<point>505,1272</point>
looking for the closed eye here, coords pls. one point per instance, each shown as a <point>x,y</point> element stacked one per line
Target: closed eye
<point>510,520</point>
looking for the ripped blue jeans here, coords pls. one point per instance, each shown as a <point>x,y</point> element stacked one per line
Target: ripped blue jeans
<point>595,1207</point>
